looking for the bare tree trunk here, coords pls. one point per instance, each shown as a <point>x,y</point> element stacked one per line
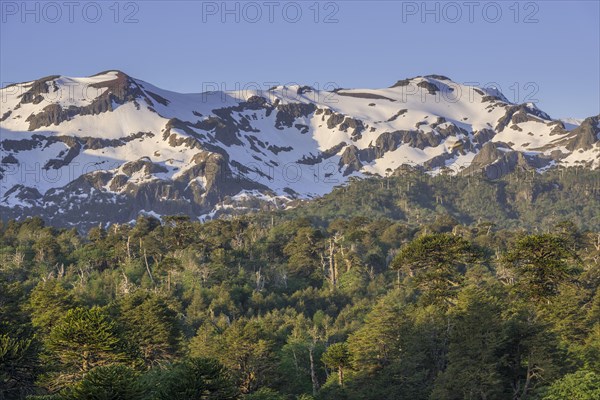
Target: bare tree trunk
<point>259,282</point>
<point>313,374</point>
<point>296,361</point>
<point>128,248</point>
<point>527,381</point>
<point>148,268</point>
<point>332,267</point>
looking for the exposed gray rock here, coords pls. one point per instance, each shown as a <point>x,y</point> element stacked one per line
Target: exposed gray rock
<point>5,115</point>
<point>438,122</point>
<point>277,149</point>
<point>351,160</point>
<point>158,98</point>
<point>118,91</point>
<point>288,113</point>
<point>20,145</point>
<point>304,89</point>
<point>145,164</point>
<point>24,193</point>
<point>483,136</point>
<point>355,124</point>
<point>559,128</point>
<point>401,83</point>
<point>399,113</point>
<point>302,128</point>
<point>488,98</point>
<point>585,136</point>
<point>324,155</point>
<point>430,87</point>
<point>450,130</point>
<point>334,119</point>
<point>496,159</point>
<point>70,155</point>
<point>118,182</point>
<point>37,89</point>
<point>438,161</point>
<point>9,159</point>
<point>438,77</point>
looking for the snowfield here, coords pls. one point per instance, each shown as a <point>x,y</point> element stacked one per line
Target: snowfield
<point>114,140</point>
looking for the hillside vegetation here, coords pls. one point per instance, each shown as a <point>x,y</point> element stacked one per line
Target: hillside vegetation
<point>407,287</point>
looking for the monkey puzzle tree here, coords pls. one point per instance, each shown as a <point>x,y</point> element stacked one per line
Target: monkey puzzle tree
<point>196,378</point>
<point>83,339</point>
<point>541,263</point>
<point>112,382</point>
<point>437,263</point>
<point>337,357</point>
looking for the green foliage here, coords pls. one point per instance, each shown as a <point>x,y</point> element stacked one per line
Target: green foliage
<point>540,264</point>
<point>48,303</point>
<point>264,394</point>
<point>18,364</point>
<point>82,340</point>
<point>303,252</point>
<point>112,382</point>
<point>337,357</point>
<point>399,349</point>
<point>299,367</point>
<point>150,324</point>
<point>437,264</point>
<point>581,385</point>
<point>518,200</point>
<point>19,348</point>
<point>531,351</point>
<point>414,287</point>
<point>473,354</point>
<point>244,347</point>
<point>196,378</point>
<point>375,344</point>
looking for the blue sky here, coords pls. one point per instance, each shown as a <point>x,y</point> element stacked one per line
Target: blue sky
<point>545,51</point>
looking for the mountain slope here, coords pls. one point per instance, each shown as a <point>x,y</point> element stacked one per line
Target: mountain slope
<point>83,151</point>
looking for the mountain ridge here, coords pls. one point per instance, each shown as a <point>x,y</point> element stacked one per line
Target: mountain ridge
<point>106,147</point>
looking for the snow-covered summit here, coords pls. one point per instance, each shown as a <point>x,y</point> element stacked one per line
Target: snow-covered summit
<point>111,145</point>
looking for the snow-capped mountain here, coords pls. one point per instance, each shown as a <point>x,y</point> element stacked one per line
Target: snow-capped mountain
<point>83,151</point>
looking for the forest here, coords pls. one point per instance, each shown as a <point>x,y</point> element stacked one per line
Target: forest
<point>403,287</point>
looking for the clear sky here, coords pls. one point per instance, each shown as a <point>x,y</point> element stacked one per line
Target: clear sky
<point>547,52</point>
